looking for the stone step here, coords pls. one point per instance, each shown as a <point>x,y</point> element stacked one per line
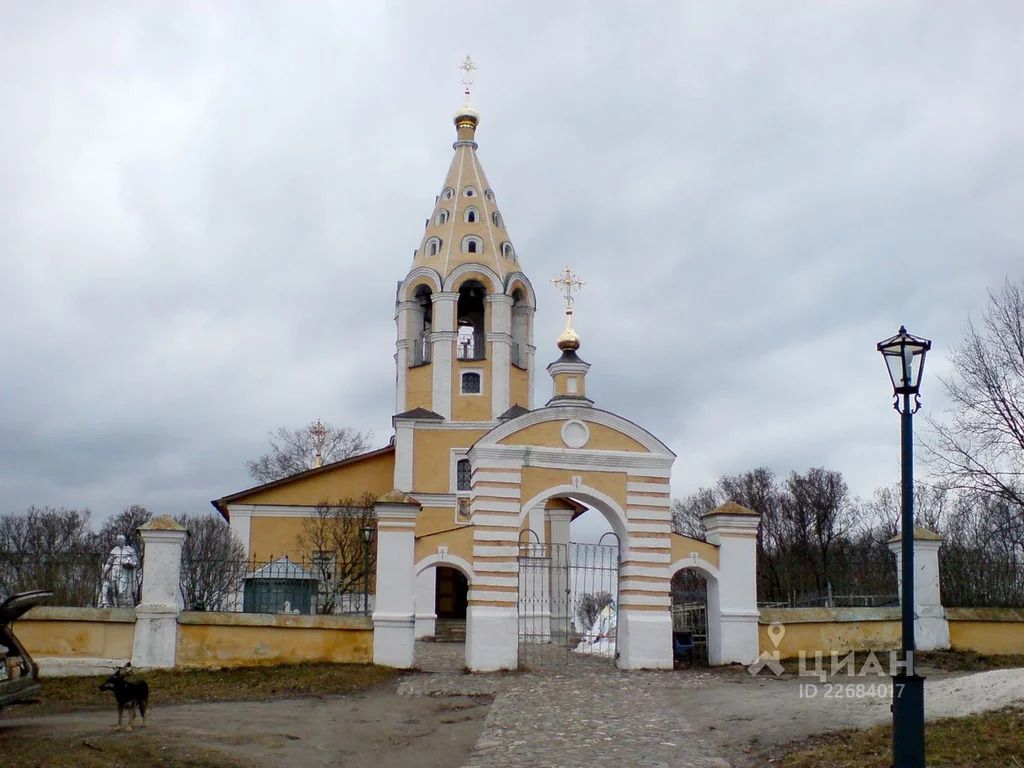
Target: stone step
<point>450,630</point>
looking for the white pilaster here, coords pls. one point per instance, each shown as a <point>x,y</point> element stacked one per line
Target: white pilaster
<point>560,614</point>
<point>240,518</point>
<point>643,638</point>
<point>426,600</point>
<point>404,436</point>
<point>500,338</point>
<point>156,616</point>
<point>492,637</point>
<point>394,614</point>
<point>931,630</point>
<point>443,342</point>
<point>733,529</point>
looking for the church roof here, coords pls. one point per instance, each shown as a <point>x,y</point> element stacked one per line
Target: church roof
<point>419,413</point>
<point>466,226</point>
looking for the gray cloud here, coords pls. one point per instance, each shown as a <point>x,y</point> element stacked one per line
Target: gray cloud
<point>204,210</point>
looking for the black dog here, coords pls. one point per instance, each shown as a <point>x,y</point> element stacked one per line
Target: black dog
<point>128,694</point>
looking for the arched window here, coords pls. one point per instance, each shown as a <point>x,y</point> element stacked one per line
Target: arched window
<point>472,244</point>
<point>448,193</point>
<point>496,218</point>
<point>507,250</point>
<point>470,311</point>
<point>470,383</point>
<point>520,328</point>
<point>463,474</point>
<point>433,246</point>
<point>469,192</point>
<point>421,319</point>
<point>442,217</point>
<point>471,215</point>
<point>489,194</point>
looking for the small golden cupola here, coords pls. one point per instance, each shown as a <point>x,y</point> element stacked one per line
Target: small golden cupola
<point>465,310</point>
<point>569,372</point>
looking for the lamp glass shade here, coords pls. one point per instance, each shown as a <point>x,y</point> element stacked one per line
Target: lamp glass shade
<point>367,534</point>
<point>904,356</point>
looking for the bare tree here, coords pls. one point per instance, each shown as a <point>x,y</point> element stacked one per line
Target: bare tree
<point>124,523</point>
<point>589,606</point>
<point>818,508</point>
<point>47,548</point>
<point>296,450</point>
<point>332,539</point>
<point>213,564</point>
<point>981,445</point>
<point>688,514</point>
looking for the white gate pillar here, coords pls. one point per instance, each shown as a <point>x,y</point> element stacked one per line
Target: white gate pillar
<point>426,603</point>
<point>394,614</point>
<point>931,630</point>
<point>561,620</point>
<point>156,616</point>
<point>733,529</point>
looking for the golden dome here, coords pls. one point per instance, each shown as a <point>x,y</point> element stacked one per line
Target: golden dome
<point>569,339</point>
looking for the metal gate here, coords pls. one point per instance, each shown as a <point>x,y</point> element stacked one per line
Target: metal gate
<point>568,602</point>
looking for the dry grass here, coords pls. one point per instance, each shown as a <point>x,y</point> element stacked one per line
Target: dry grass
<point>928,662</point>
<point>70,694</point>
<point>990,740</point>
<point>112,751</point>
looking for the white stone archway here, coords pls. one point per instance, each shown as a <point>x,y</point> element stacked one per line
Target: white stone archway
<point>426,583</point>
<point>714,618</point>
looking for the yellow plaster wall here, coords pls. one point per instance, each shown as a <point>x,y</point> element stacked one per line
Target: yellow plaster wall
<point>987,630</point>
<point>519,387</point>
<point>537,479</point>
<point>472,407</point>
<point>561,385</point>
<point>375,474</point>
<point>459,542</point>
<point>549,433</point>
<point>419,387</point>
<point>831,629</point>
<point>682,546</point>
<point>275,536</point>
<point>239,639</point>
<point>435,519</point>
<point>431,464</point>
<point>101,633</point>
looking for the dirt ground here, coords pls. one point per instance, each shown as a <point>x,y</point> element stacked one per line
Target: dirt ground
<point>376,727</point>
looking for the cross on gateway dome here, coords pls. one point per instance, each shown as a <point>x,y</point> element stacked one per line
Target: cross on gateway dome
<point>467,67</point>
<point>566,282</point>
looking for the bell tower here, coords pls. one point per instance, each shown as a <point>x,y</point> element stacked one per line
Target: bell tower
<point>464,311</point>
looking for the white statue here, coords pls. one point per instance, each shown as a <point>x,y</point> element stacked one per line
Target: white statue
<point>119,580</point>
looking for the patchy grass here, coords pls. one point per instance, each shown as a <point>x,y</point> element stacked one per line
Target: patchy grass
<point>69,694</point>
<point>111,751</point>
<point>989,740</point>
<point>928,662</point>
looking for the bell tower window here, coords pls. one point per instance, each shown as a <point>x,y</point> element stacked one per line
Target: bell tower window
<point>471,215</point>
<point>433,246</point>
<point>520,328</point>
<point>472,244</point>
<point>470,343</point>
<point>422,317</point>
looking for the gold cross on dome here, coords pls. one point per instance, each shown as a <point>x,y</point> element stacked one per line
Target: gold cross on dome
<point>467,67</point>
<point>567,282</point>
<point>319,432</point>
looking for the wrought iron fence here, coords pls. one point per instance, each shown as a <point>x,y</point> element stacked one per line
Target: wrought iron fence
<point>828,600</point>
<point>315,586</point>
<point>75,578</point>
<point>421,349</point>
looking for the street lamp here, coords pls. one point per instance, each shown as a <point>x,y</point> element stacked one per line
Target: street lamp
<point>904,355</point>
<point>367,533</point>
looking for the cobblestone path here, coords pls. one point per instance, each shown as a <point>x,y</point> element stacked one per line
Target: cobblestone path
<point>576,712</point>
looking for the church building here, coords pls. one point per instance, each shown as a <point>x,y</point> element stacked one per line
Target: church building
<point>476,467</point>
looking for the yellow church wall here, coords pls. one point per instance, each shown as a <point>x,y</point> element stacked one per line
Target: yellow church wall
<point>682,546</point>
<point>375,475</point>
<point>535,480</point>
<point>99,633</point>
<point>459,542</point>
<point>419,387</point>
<point>431,520</point>
<point>432,455</point>
<point>549,433</point>
<point>519,387</point>
<point>828,630</point>
<point>471,407</point>
<point>251,639</point>
<point>274,537</point>
<point>561,384</point>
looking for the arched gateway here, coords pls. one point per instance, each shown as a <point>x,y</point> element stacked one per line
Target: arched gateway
<point>475,468</point>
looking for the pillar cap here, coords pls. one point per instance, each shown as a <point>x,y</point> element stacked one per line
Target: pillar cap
<point>731,508</point>
<point>162,523</point>
<point>395,496</point>
<point>920,534</point>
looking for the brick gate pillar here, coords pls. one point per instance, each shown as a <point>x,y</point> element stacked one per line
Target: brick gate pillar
<point>394,614</point>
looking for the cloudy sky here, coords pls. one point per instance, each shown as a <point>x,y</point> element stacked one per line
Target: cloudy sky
<point>205,207</point>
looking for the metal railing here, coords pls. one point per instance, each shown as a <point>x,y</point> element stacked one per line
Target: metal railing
<point>471,348</point>
<point>421,348</point>
<point>311,587</point>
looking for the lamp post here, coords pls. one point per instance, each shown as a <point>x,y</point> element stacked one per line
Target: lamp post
<point>904,355</point>
<point>367,533</point>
